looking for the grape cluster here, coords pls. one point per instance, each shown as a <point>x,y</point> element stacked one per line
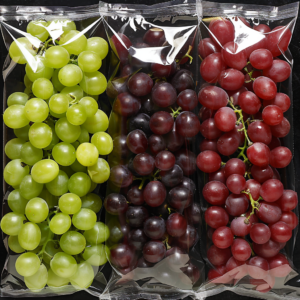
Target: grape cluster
<point>55,164</point>
<point>151,209</point>
<point>244,116</point>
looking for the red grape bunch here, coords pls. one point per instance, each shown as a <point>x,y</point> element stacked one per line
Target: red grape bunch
<point>250,216</point>
<point>151,209</point>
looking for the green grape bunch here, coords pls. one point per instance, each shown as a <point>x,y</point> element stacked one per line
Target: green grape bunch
<point>55,164</point>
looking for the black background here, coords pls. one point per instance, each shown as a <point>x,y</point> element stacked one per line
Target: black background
<point>295,49</point>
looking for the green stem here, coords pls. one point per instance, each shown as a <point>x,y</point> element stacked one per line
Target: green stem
<point>254,204</point>
<point>175,113</point>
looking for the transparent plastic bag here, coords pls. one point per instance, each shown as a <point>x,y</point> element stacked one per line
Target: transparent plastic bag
<point>249,264</point>
<point>154,60</point>
<point>50,26</point>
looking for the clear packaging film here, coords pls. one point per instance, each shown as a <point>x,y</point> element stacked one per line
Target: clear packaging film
<point>197,151</point>
<point>53,53</point>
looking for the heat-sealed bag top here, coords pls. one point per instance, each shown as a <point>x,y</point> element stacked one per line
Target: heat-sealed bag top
<point>152,203</point>
<point>249,201</point>
<point>54,131</point>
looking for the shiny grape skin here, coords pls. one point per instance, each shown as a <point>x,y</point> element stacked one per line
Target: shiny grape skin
<point>136,215</point>
<point>172,177</point>
<point>161,123</point>
<point>143,164</point>
<point>205,113</point>
<point>272,115</point>
<point>231,79</point>
<point>221,30</point>
<point>126,70</point>
<point>290,219</point>
<point>218,256</point>
<point>280,232</point>
<point>236,204</point>
<point>155,228</point>
<point>120,148</point>
<point>232,263</point>
<point>271,190</point>
<point>210,130</point>
<point>160,70</point>
<point>140,84</point>
<point>187,240</point>
<point>269,212</point>
<point>236,183</point>
<point>233,56</point>
<point>141,121</point>
<point>126,105</point>
<point>121,255</point>
<point>187,124</point>
<point>280,157</point>
<point>165,160</point>
<point>228,143</point>
<point>163,94</point>
<point>261,59</point>
<point>254,187</point>
<point>249,102</point>
<point>279,71</point>
<point>263,28</point>
<point>154,251</point>
<point>218,175</point>
<point>192,272</point>
<point>261,267</point>
<point>235,166</point>
<point>234,95</point>
<point>215,193</point>
<point>119,46</point>
<point>156,143</point>
<point>207,46</point>
<point>186,160</point>
<point>213,97</point>
<point>137,239</point>
<point>208,144</point>
<point>137,141</point>
<point>266,250</point>
<point>183,80</point>
<point>216,216</point>
<point>209,161</point>
<point>279,38</point>
<point>187,99</point>
<point>148,107</point>
<point>240,249</point>
<point>211,67</point>
<point>154,37</point>
<point>120,176</point>
<point>222,237</point>
<point>180,198</point>
<point>260,233</point>
<point>259,131</point>
<point>282,129</point>
<point>259,154</point>
<point>239,227</point>
<point>265,88</point>
<point>188,184</point>
<point>225,119</point>
<point>142,263</point>
<point>154,193</point>
<point>288,201</point>
<point>135,195</point>
<point>261,174</point>
<point>174,141</point>
<point>281,100</point>
<point>193,214</point>
<point>115,204</point>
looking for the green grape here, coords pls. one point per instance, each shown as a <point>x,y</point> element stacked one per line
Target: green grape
<point>99,172</point>
<point>97,45</point>
<point>56,281</point>
<point>55,81</point>
<point>40,135</point>
<point>13,148</point>
<point>76,114</point>
<point>15,117</point>
<point>72,242</point>
<point>77,167</point>
<point>84,136</point>
<point>54,140</point>
<point>95,97</point>
<point>51,249</point>
<point>29,236</point>
<point>76,144</point>
<point>98,122</point>
<point>63,265</point>
<point>59,103</point>
<point>95,255</point>
<point>22,133</point>
<point>37,29</point>
<point>103,142</point>
<point>28,91</point>
<point>83,277</point>
<point>36,250</point>
<point>93,186</point>
<point>57,116</point>
<point>87,154</point>
<point>60,223</point>
<point>77,45</point>
<point>27,264</point>
<point>42,70</point>
<point>27,82</point>
<point>42,88</point>
<point>98,234</point>
<point>79,184</point>
<point>66,131</point>
<point>44,171</point>
<point>85,219</point>
<point>93,83</point>
<point>37,281</point>
<point>17,98</point>
<point>49,198</point>
<point>14,245</point>
<point>12,223</point>
<point>15,171</point>
<point>29,188</point>
<point>67,170</point>
<point>20,48</point>
<point>64,153</point>
<point>75,92</point>
<point>59,185</point>
<point>89,61</point>
<point>45,232</point>
<point>36,110</point>
<point>90,105</point>
<point>92,201</point>
<point>30,154</point>
<point>37,210</point>
<point>57,57</point>
<point>16,202</point>
<point>64,25</point>
<point>70,75</point>
<point>69,203</point>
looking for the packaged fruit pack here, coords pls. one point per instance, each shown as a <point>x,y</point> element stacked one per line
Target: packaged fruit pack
<point>152,203</point>
<point>55,148</point>
<point>249,201</point>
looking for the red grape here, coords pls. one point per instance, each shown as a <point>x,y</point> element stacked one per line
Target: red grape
<point>282,129</point>
<point>136,215</point>
<point>126,105</point>
<point>188,239</point>
<point>222,237</point>
<point>165,160</point>
<point>228,143</point>
<point>180,198</point>
<point>258,267</point>
<point>263,28</point>
<point>239,227</point>
<point>232,263</point>
<point>154,251</point>
<point>137,141</point>
<point>217,176</point>
<point>253,187</point>
<point>266,250</point>
<point>233,56</point>
<point>271,190</point>
<point>236,183</point>
<point>186,160</point>
<point>274,143</point>
<point>234,95</point>
<point>249,102</point>
<point>163,94</point>
<point>155,227</point>
<point>217,272</point>
<point>122,43</point>
<point>176,225</point>
<point>272,115</point>
<point>160,70</point>
<point>140,84</point>
<point>280,157</point>
<point>156,143</point>
<point>278,40</point>
<point>188,184</point>
<point>208,161</point>
<point>141,121</point>
<point>213,97</point>
<point>277,261</point>
<point>182,80</point>
<point>218,256</point>
<point>187,124</point>
<point>115,204</point>
<point>207,144</point>
<point>154,37</point>
<point>281,232</point>
<point>221,30</point>
<point>143,164</point>
<point>240,249</point>
<point>261,174</point>
<point>281,100</point>
<point>290,219</point>
<point>161,122</point>
<point>137,239</point>
<point>260,233</point>
<point>120,176</point>
<point>261,59</point>
<point>174,140</point>
<point>121,255</point>
<point>231,79</point>
<point>236,204</point>
<point>193,214</point>
<point>172,177</point>
<point>215,193</point>
<point>154,193</point>
<point>211,67</point>
<point>225,119</point>
<point>135,195</point>
<point>288,201</point>
<point>235,166</point>
<point>207,47</point>
<point>206,113</point>
<point>216,216</point>
<point>210,130</point>
<point>126,70</point>
<point>187,99</point>
<point>279,71</point>
<point>268,212</point>
<point>192,272</point>
<point>259,154</point>
<point>265,88</point>
<point>260,132</point>
<point>260,44</point>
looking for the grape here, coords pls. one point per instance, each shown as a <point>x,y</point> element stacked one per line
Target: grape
<point>14,172</point>
<point>36,110</point>
<point>97,45</point>
<point>258,267</point>
<point>266,250</point>
<point>29,236</point>
<point>281,100</point>
<point>42,88</point>
<point>79,184</point>
<point>263,28</point>
<point>143,164</point>
<point>121,43</point>
<point>13,148</point>
<point>98,234</point>
<point>218,256</point>
<point>239,227</point>
<point>236,183</point>
<point>222,237</point>
<point>140,84</point>
<point>260,132</point>
<point>100,172</point>
<point>16,202</point>
<point>269,212</point>
<point>72,242</point>
<point>56,281</point>
<point>235,166</point>
<point>103,142</point>
<point>163,94</point>
<point>187,99</point>
<point>60,223</point>
<point>260,233</point>
<point>85,219</point>
<point>29,188</point>
<point>213,97</point>
<point>154,251</point>
<point>156,143</point>
<point>42,71</point>
<point>211,67</point>
<point>93,83</point>
<point>277,261</point>
<point>56,57</point>
<point>49,198</point>
<point>193,214</point>
<point>69,203</point>
<point>121,176</point>
<point>208,144</point>
<point>219,175</point>
<point>64,154</point>
<point>141,121</point>
<point>216,272</point>
<point>249,102</point>
<point>59,185</point>
<point>40,135</point>
<point>240,249</point>
<point>207,47</point>
<point>137,141</point>
<point>63,265</point>
<point>96,123</point>
<point>233,56</point>
<point>187,124</point>
<point>92,201</point>
<point>137,239</point>
<point>288,201</point>
<point>179,198</point>
<point>89,61</point>
<point>87,154</point>
<point>37,281</point>
<point>126,105</point>
<point>27,264</point>
<point>208,161</point>
<point>28,84</point>
<point>261,174</point>
<point>96,255</point>
<point>155,228</point>
<point>70,75</point>
<point>15,116</point>
<point>30,154</point>
<point>115,204</point>
<point>261,59</point>
<point>36,210</point>
<point>22,133</point>
<point>161,123</point>
<point>278,40</point>
<point>234,95</point>
<point>279,71</point>
<point>282,129</point>
<point>14,245</point>
<point>136,215</point>
<point>164,160</point>
<point>154,37</point>
<point>19,47</point>
<point>221,31</point>
<point>225,119</point>
<point>75,92</point>
<point>90,105</point>
<point>12,223</point>
<point>66,131</point>
<point>17,98</point>
<point>37,29</point>
<point>290,219</point>
<point>210,130</point>
<point>231,79</point>
<point>122,256</point>
<point>272,115</point>
<point>280,157</point>
<point>265,88</point>
<point>176,225</point>
<point>258,154</point>
<point>215,193</point>
<point>275,142</point>
<point>78,43</point>
<point>172,177</point>
<point>44,171</point>
<point>76,114</point>
<point>271,190</point>
<point>236,204</point>
<point>216,217</point>
<point>280,232</point>
<point>159,70</point>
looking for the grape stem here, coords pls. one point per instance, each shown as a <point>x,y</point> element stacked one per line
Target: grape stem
<point>188,54</point>
<point>151,177</point>
<point>175,113</point>
<point>254,203</point>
